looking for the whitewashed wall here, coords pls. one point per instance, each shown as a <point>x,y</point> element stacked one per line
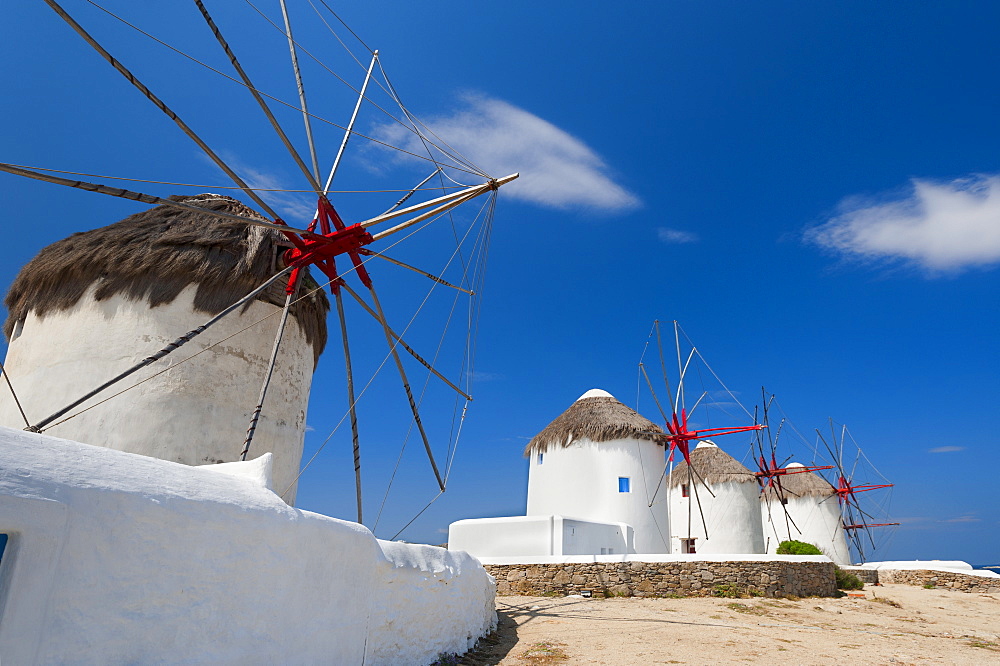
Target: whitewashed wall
<point>116,558</point>
<point>581,481</point>
<point>430,602</point>
<point>732,517</point>
<point>814,520</point>
<point>197,413</point>
<point>538,535</point>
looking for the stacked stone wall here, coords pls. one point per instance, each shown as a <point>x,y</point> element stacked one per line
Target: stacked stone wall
<point>943,579</point>
<point>867,576</point>
<point>658,579</point>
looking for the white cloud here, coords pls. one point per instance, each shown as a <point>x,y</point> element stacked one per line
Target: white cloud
<point>480,376</point>
<point>940,227</point>
<point>946,449</point>
<point>557,169</point>
<point>675,235</point>
<point>962,519</point>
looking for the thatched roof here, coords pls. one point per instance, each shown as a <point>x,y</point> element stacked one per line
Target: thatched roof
<point>714,465</point>
<point>801,484</point>
<point>154,255</point>
<point>596,416</point>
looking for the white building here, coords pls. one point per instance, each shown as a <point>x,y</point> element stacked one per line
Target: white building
<point>91,305</point>
<point>592,482</point>
<point>714,507</point>
<point>806,509</point>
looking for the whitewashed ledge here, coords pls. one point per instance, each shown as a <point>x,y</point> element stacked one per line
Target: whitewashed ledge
<point>946,566</point>
<point>652,557</point>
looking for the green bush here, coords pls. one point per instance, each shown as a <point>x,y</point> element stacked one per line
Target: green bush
<point>847,581</point>
<point>797,548</point>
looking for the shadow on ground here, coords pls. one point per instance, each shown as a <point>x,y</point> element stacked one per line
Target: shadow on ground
<point>491,649</point>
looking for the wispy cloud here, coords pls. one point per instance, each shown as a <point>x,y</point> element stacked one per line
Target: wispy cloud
<point>557,169</point>
<point>946,449</point>
<point>962,519</point>
<point>480,376</point>
<point>916,523</point>
<point>674,236</point>
<point>938,226</point>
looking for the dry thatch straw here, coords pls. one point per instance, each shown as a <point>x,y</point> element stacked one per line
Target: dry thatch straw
<point>154,255</point>
<point>599,419</point>
<point>714,465</point>
<point>802,484</point>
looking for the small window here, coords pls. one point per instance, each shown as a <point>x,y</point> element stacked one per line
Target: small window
<point>784,500</point>
<point>3,545</point>
<point>611,551</point>
<point>684,490</point>
<point>624,484</point>
<point>604,551</point>
<point>687,546</point>
<point>541,458</point>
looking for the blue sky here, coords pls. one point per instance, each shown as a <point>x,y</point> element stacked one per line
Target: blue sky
<point>811,189</point>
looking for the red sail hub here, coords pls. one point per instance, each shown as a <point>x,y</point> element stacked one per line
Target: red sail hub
<point>321,249</point>
<point>680,437</point>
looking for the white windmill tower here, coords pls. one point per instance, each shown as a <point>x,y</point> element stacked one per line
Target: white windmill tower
<point>805,508</point>
<point>723,515</point>
<point>88,306</point>
<point>601,461</point>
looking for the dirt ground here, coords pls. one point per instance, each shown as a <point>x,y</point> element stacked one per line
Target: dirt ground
<point>891,624</point>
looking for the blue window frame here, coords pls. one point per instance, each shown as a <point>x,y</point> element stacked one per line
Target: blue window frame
<point>624,484</point>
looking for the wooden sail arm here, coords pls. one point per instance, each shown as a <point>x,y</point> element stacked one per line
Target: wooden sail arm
<point>867,525</point>
<point>475,190</point>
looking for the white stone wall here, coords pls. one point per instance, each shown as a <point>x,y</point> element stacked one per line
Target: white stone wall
<point>430,602</point>
<point>732,517</point>
<point>196,413</point>
<point>581,481</point>
<point>538,535</point>
<point>116,558</point>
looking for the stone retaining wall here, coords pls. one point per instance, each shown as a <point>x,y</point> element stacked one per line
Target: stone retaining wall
<point>656,579</point>
<point>943,579</point>
<point>867,576</point>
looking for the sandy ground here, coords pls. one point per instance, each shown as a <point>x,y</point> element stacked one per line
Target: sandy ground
<point>892,624</point>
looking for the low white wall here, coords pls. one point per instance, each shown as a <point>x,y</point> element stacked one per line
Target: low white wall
<point>651,557</point>
<point>118,558</point>
<point>583,537</point>
<point>431,601</point>
<point>951,566</point>
<point>538,535</point>
<point>502,537</point>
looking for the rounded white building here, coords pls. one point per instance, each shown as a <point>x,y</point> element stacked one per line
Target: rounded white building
<point>806,509</point>
<point>601,461</point>
<point>731,510</point>
<point>93,304</point>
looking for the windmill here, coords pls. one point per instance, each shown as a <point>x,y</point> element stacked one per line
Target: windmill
<point>326,237</point>
<point>680,432</point>
<point>862,492</point>
<point>775,478</point>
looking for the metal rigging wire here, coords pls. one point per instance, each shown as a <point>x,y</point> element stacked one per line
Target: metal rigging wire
<point>272,97</point>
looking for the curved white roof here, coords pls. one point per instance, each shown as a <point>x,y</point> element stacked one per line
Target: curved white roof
<point>595,393</point>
